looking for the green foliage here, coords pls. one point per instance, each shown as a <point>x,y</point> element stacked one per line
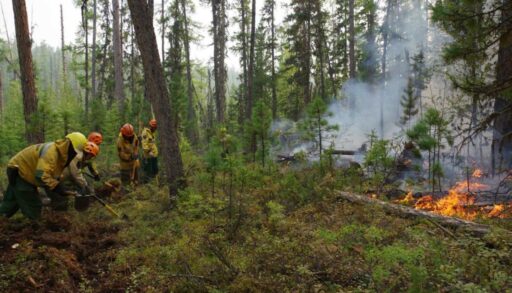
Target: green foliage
<point>314,126</point>
<point>430,134</point>
<point>379,161</point>
<point>260,128</point>
<point>408,103</point>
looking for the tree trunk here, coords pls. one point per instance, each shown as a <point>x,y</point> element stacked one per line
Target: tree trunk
<point>33,131</point>
<point>103,66</point>
<point>307,62</point>
<point>85,25</point>
<point>385,35</point>
<point>162,20</point>
<point>502,137</point>
<point>62,44</point>
<point>158,94</point>
<point>352,40</point>
<point>192,131</point>
<point>273,53</point>
<point>93,61</point>
<point>250,80</point>
<point>219,51</point>
<point>244,94</point>
<point>118,59</point>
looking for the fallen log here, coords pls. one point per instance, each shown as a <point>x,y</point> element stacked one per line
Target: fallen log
<point>342,152</point>
<point>473,228</point>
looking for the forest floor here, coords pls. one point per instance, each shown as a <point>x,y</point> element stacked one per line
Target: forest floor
<point>263,243</point>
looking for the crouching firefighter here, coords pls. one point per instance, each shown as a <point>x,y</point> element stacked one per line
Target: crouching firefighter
<point>97,138</point>
<point>73,177</point>
<point>40,165</point>
<point>150,158</point>
<point>128,151</point>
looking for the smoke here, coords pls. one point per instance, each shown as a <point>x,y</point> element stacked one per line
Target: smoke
<point>368,106</point>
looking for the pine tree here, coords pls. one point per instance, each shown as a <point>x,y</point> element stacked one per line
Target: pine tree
<point>260,128</point>
<point>315,126</point>
<point>408,103</point>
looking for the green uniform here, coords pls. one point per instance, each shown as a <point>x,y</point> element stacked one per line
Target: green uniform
<point>128,152</point>
<point>38,165</point>
<point>150,159</point>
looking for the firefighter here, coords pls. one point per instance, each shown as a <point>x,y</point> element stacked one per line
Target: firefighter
<point>128,151</point>
<point>150,155</point>
<point>74,179</point>
<point>97,138</point>
<point>40,165</point>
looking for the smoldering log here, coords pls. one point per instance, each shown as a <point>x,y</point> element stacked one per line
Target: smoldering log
<point>473,228</point>
<point>342,152</point>
<point>285,158</point>
<point>292,158</point>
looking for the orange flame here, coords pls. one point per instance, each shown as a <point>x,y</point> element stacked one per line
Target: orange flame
<point>460,202</point>
<point>453,205</point>
<point>497,211</point>
<point>477,173</point>
<point>408,199</point>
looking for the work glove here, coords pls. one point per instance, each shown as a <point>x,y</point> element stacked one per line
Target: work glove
<point>97,177</point>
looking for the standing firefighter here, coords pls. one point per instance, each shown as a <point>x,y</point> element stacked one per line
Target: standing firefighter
<point>128,150</point>
<point>40,165</point>
<point>150,159</point>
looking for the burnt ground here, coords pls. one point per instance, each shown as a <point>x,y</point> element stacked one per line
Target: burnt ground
<point>60,253</point>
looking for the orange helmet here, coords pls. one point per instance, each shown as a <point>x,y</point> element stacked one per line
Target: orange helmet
<point>152,123</point>
<point>95,137</point>
<point>91,148</point>
<point>127,130</point>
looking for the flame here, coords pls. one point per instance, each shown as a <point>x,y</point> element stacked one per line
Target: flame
<point>460,201</point>
<point>462,187</point>
<point>408,199</point>
<point>477,173</point>
<point>452,205</point>
<point>497,211</point>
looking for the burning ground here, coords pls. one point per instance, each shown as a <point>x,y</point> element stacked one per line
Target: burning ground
<point>475,197</point>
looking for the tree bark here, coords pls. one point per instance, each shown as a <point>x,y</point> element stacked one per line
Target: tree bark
<point>93,61</point>
<point>250,78</point>
<point>33,132</point>
<point>352,40</point>
<point>244,94</point>
<point>162,20</point>
<point>502,137</point>
<point>158,94</point>
<point>62,44</point>
<point>192,131</point>
<point>273,54</point>
<point>219,51</point>
<point>85,25</point>
<point>118,59</point>
<point>106,44</point>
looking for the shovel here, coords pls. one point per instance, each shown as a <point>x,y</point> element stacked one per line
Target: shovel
<point>107,206</point>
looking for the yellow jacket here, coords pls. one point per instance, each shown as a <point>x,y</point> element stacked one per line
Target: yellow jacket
<point>42,164</point>
<point>126,150</point>
<point>149,143</point>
